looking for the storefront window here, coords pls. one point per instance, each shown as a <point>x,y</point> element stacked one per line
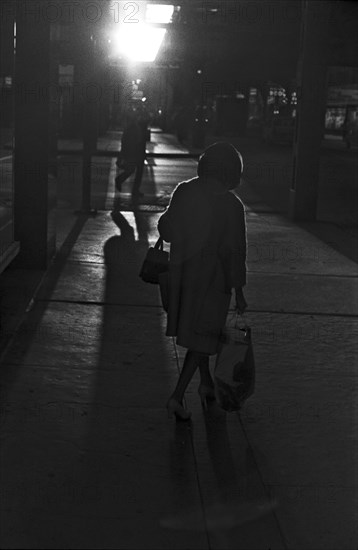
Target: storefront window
<point>335,117</point>
<point>342,100</point>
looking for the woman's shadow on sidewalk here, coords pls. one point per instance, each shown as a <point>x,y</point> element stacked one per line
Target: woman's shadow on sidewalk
<point>130,384</point>
<point>233,499</point>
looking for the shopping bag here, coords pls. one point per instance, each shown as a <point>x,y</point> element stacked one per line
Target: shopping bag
<point>155,262</point>
<point>234,374</point>
<point>120,160</point>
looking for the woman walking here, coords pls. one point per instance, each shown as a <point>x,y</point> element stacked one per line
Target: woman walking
<point>205,224</point>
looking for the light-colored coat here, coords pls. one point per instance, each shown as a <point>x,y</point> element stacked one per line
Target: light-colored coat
<point>207,233</point>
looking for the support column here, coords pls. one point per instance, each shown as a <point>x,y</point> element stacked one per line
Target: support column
<point>34,197</point>
<point>311,92</point>
<point>87,75</point>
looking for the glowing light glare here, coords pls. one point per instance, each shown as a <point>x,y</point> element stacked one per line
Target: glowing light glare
<point>139,42</point>
<point>159,13</point>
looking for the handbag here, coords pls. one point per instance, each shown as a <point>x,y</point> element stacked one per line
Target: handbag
<point>234,373</point>
<point>155,263</point>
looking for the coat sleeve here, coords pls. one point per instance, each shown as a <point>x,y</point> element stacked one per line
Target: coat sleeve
<point>170,224</point>
<point>234,248</point>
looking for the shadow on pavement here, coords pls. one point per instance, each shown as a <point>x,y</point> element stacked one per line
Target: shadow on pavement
<point>128,454</point>
<point>39,306</point>
<point>343,239</point>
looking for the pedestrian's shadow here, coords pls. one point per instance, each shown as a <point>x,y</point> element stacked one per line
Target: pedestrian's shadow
<point>127,231</point>
<point>219,448</point>
<point>128,397</point>
<point>186,513</point>
<point>242,497</point>
<point>225,512</point>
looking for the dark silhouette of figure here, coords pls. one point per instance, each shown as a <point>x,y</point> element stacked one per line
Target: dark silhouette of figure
<point>132,154</point>
<point>200,125</point>
<point>182,122</point>
<point>205,224</point>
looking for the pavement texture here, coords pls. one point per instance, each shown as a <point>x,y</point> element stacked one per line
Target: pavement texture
<point>89,458</point>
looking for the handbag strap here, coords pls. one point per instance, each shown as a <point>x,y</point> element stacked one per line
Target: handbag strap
<point>244,320</point>
<point>159,244</point>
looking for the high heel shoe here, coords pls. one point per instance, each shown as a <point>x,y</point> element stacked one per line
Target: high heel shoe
<point>174,407</point>
<point>206,394</point>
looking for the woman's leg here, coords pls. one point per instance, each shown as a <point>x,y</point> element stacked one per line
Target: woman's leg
<point>189,367</point>
<point>206,387</point>
<point>205,376</point>
<point>192,361</point>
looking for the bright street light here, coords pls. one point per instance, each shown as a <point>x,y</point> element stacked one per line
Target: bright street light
<point>140,42</point>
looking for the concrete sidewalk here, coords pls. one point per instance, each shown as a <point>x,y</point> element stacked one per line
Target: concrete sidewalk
<point>88,456</point>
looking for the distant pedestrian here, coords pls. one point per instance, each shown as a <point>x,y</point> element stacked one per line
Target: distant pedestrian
<point>181,122</point>
<point>132,154</point>
<point>205,224</point>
